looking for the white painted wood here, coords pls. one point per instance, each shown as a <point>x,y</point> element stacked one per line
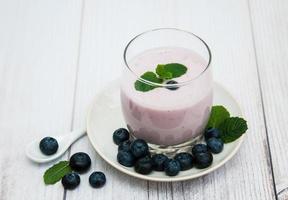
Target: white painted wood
<point>38,51</point>
<point>270,22</point>
<point>39,66</point>
<point>225,25</point>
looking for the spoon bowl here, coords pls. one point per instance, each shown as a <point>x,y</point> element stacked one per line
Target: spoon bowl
<point>34,153</point>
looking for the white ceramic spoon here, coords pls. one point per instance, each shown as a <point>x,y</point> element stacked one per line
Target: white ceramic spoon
<point>64,141</point>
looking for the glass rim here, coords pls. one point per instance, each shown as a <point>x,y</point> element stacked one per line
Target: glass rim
<point>165,84</point>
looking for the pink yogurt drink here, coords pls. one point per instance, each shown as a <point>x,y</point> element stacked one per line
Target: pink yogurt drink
<point>162,116</point>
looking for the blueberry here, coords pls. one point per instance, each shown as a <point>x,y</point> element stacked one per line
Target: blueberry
<point>124,146</point>
<point>70,180</point>
<point>199,148</point>
<point>212,132</point>
<point>158,161</point>
<point>126,158</point>
<point>215,145</point>
<point>172,167</point>
<point>144,165</point>
<point>139,148</point>
<point>172,87</point>
<point>185,160</point>
<point>120,135</point>
<point>97,179</point>
<point>48,145</point>
<point>203,160</point>
<point>80,162</point>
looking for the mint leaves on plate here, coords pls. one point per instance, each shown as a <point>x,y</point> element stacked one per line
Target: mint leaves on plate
<point>163,72</point>
<point>231,128</point>
<point>56,172</point>
<point>217,116</point>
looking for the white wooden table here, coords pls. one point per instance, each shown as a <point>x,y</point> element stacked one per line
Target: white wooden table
<point>56,54</point>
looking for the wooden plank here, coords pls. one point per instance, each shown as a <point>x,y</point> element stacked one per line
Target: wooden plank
<point>225,25</point>
<point>94,73</point>
<point>269,20</point>
<point>37,72</point>
<point>234,64</point>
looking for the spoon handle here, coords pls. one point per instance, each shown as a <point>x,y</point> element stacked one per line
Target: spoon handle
<point>75,135</point>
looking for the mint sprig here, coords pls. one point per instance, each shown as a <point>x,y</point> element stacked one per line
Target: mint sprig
<point>163,72</point>
<point>148,76</point>
<point>218,115</point>
<point>231,128</point>
<point>174,70</point>
<point>56,172</point>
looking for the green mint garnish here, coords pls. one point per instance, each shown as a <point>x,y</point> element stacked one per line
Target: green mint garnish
<point>56,172</point>
<point>232,128</point>
<point>148,76</point>
<point>163,72</point>
<point>218,115</point>
<point>173,69</point>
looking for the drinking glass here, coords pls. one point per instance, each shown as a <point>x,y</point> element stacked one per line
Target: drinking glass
<point>173,114</point>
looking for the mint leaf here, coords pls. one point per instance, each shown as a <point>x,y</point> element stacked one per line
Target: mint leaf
<point>164,72</point>
<point>144,87</point>
<point>175,69</point>
<point>160,70</point>
<point>232,128</point>
<point>56,172</point>
<point>218,115</point>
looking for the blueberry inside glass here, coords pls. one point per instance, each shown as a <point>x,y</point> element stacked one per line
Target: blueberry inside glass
<point>170,85</point>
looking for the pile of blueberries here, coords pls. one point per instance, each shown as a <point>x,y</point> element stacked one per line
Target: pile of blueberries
<point>136,154</point>
<point>79,162</point>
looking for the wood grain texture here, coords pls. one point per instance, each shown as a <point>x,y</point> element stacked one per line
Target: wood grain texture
<point>225,25</point>
<point>270,28</point>
<point>56,55</point>
<point>37,68</point>
<point>95,62</point>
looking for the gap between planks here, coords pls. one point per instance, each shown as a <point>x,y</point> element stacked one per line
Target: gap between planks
<point>261,97</point>
<point>76,77</point>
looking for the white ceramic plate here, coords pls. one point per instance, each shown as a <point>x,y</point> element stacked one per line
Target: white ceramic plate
<point>105,116</point>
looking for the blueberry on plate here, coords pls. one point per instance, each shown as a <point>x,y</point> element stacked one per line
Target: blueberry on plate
<point>158,161</point>
<point>120,135</point>
<point>80,162</point>
<point>199,148</point>
<point>172,87</point>
<point>215,145</point>
<point>211,132</point>
<point>139,148</point>
<point>97,179</point>
<point>203,160</point>
<point>48,145</point>
<point>124,146</point>
<point>144,165</point>
<point>185,160</point>
<point>70,181</point>
<point>126,158</point>
<point>172,167</point>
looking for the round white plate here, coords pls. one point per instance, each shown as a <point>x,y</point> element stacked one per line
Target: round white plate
<point>105,116</point>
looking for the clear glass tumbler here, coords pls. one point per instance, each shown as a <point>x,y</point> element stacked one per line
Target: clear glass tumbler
<point>172,113</point>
